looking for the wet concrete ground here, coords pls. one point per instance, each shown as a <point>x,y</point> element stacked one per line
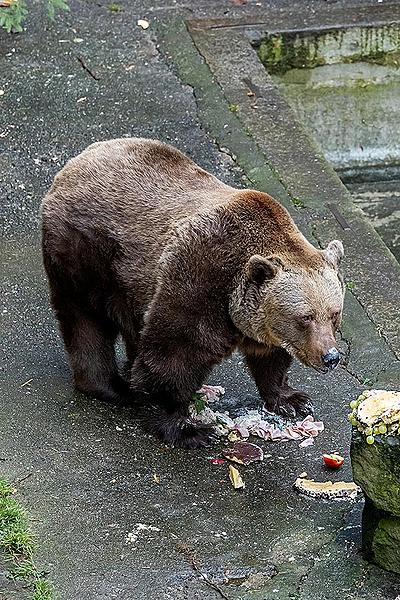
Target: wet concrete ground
<point>91,467</point>
<point>380,200</point>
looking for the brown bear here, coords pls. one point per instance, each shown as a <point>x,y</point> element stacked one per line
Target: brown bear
<point>140,241</point>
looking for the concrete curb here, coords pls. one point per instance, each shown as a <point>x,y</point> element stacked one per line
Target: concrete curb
<point>257,140</point>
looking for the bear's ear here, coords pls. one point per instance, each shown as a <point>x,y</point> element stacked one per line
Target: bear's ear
<point>259,268</point>
<point>334,253</point>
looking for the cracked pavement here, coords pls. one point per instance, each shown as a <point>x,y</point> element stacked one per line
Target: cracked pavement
<point>92,467</point>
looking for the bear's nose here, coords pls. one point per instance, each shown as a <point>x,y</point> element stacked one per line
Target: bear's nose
<point>331,358</point>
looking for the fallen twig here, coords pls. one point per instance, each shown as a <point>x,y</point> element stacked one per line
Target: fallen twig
<point>18,481</point>
<point>26,382</point>
<point>86,68</point>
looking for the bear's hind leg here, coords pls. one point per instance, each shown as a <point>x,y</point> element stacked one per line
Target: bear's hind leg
<point>90,344</point>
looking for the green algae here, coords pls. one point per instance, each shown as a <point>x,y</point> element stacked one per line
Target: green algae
<point>376,469</point>
<point>280,52</point>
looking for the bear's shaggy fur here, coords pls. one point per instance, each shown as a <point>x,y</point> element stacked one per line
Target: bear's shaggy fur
<point>140,241</point>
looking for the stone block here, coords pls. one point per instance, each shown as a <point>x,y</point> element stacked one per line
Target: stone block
<point>381,537</point>
<point>376,469</point>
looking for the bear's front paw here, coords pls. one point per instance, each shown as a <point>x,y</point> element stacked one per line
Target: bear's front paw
<point>290,403</point>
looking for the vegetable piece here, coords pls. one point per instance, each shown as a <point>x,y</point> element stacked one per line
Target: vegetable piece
<point>234,436</point>
<point>143,23</point>
<point>199,403</point>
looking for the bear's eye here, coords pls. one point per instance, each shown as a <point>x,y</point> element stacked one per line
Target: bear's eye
<point>306,319</point>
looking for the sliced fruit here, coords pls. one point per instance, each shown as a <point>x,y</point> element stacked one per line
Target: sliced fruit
<point>333,461</point>
<point>244,453</point>
<point>326,490</point>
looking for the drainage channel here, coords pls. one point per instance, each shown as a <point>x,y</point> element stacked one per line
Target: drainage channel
<point>344,86</point>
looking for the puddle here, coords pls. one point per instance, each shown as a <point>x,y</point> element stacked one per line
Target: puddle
<point>344,85</point>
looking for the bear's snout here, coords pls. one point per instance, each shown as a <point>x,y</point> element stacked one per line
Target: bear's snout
<point>331,359</point>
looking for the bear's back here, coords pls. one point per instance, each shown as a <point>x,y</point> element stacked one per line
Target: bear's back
<point>130,180</point>
<point>123,198</point>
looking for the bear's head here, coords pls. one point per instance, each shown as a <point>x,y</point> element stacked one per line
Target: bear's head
<point>290,304</point>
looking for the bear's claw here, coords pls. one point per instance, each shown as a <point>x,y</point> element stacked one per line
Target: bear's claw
<point>291,403</point>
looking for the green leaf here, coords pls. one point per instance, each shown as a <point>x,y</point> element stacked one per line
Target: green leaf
<point>12,18</point>
<point>199,403</point>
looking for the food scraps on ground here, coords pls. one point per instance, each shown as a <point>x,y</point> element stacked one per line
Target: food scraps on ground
<point>244,453</point>
<point>234,436</point>
<point>333,461</point>
<point>327,490</point>
<point>143,23</point>
<point>211,392</point>
<point>376,412</point>
<point>307,442</point>
<point>236,478</point>
<point>268,426</point>
<point>255,422</point>
<point>138,530</point>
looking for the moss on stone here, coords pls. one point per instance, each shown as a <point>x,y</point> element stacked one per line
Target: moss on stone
<point>280,52</point>
<point>376,469</point>
<point>386,544</point>
<point>381,537</point>
<point>378,57</point>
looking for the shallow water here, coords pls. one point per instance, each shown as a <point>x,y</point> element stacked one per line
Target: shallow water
<point>352,111</point>
<point>380,201</point>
